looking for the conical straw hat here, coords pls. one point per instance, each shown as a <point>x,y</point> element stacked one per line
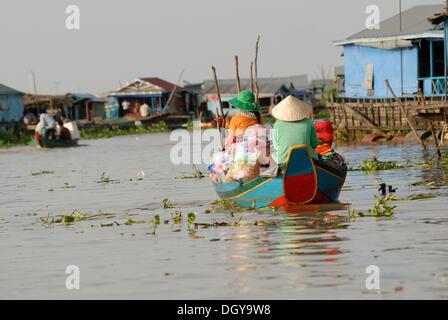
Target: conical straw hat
<point>291,109</point>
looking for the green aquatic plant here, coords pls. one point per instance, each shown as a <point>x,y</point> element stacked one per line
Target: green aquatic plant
<point>191,217</point>
<point>177,218</point>
<point>340,135</point>
<point>108,132</point>
<point>225,205</point>
<point>41,172</point>
<point>8,140</point>
<point>219,202</point>
<point>74,216</point>
<point>103,178</point>
<point>65,186</point>
<point>238,222</point>
<point>382,208</point>
<point>395,133</point>
<point>197,174</point>
<point>167,204</point>
<point>323,114</point>
<point>375,165</point>
<point>411,197</point>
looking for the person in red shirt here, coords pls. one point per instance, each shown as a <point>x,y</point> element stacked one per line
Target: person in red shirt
<point>325,134</point>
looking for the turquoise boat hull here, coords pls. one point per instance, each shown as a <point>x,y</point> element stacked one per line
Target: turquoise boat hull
<point>303,180</point>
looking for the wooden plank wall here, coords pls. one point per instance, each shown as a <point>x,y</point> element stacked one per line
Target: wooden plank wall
<point>384,113</point>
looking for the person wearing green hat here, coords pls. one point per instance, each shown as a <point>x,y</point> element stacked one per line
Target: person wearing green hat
<point>248,114</point>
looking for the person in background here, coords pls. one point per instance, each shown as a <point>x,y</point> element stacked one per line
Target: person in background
<point>29,118</point>
<point>125,104</point>
<point>38,131</point>
<point>145,110</point>
<point>248,115</point>
<point>293,128</point>
<point>64,133</point>
<point>64,119</point>
<point>48,125</point>
<point>325,134</point>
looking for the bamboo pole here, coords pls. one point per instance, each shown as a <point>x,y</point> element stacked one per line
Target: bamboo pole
<point>219,130</point>
<point>219,95</point>
<point>251,77</point>
<point>438,147</point>
<point>431,127</point>
<point>435,140</point>
<point>257,89</point>
<point>173,91</point>
<point>238,85</point>
<point>405,114</point>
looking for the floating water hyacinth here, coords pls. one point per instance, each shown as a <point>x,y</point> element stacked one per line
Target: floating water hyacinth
<point>382,208</point>
<point>411,197</point>
<point>197,174</point>
<point>42,172</point>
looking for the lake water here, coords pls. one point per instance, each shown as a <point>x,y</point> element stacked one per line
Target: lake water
<point>309,252</point>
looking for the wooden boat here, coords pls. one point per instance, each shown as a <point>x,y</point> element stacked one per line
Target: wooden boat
<point>303,180</point>
<point>46,143</point>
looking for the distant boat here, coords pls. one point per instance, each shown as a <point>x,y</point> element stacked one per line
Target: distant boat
<point>47,143</point>
<point>303,180</point>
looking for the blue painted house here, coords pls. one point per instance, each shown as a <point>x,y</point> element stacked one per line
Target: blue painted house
<point>11,104</point>
<point>408,51</point>
<point>153,91</point>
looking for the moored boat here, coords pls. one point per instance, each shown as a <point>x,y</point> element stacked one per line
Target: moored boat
<point>303,180</point>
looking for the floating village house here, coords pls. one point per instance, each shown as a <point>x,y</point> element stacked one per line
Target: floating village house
<point>271,91</point>
<point>11,106</point>
<point>408,51</point>
<point>154,92</point>
<point>87,107</point>
<point>82,107</point>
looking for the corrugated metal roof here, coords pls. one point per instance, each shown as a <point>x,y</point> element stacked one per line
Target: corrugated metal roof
<point>165,85</point>
<point>144,86</point>
<point>7,90</point>
<point>266,85</point>
<point>91,97</point>
<point>326,83</point>
<point>414,22</point>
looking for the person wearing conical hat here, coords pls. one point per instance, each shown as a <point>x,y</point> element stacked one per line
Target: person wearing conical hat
<point>292,127</point>
<point>248,114</point>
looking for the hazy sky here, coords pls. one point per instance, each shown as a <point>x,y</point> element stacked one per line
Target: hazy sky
<point>119,41</point>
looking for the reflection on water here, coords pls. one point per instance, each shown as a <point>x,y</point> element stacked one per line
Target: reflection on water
<point>301,252</point>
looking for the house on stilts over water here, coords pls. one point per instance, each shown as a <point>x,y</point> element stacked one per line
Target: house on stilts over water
<point>408,50</point>
<point>173,102</point>
<point>11,109</point>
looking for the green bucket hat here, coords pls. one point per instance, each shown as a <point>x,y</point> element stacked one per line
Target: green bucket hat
<point>245,101</point>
